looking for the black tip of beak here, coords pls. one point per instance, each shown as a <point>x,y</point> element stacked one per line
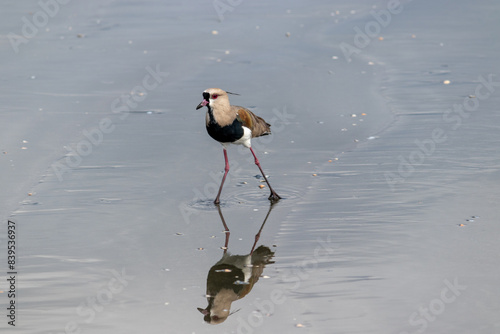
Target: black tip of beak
<point>202,104</point>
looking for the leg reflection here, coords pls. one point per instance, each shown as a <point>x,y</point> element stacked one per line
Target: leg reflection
<point>234,276</point>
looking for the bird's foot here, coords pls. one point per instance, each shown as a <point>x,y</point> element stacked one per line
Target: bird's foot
<point>274,197</point>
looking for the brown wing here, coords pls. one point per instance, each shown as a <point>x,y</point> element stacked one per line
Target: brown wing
<point>255,123</point>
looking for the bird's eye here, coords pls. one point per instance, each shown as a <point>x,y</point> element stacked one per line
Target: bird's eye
<point>215,96</point>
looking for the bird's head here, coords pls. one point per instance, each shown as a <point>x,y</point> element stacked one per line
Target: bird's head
<point>214,97</point>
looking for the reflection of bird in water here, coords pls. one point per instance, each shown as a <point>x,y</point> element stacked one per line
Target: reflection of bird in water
<point>233,277</point>
<point>233,125</point>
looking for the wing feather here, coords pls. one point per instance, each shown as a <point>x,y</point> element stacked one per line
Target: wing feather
<point>256,124</point>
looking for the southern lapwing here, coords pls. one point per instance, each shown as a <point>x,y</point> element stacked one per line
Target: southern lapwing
<point>233,125</point>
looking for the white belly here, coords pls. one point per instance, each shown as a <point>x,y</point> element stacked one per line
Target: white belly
<point>245,140</point>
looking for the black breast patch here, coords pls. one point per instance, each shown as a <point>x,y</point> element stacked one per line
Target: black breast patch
<point>225,134</point>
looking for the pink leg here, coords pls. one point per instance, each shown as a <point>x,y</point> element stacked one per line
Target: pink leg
<point>226,230</point>
<point>274,196</point>
<point>257,236</point>
<point>226,170</point>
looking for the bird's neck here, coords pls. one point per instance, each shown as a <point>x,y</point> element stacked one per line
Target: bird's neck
<point>221,115</point>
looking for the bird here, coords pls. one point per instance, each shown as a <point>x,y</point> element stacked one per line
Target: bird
<point>230,124</point>
<point>234,276</point>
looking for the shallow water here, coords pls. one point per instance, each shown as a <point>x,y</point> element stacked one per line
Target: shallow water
<point>368,232</point>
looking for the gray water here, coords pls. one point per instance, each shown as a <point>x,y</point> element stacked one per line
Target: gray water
<point>381,154</point>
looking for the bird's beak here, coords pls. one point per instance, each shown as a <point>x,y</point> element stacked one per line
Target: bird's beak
<point>202,104</point>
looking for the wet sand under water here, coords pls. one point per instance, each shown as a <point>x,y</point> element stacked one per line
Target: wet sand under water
<point>387,163</point>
